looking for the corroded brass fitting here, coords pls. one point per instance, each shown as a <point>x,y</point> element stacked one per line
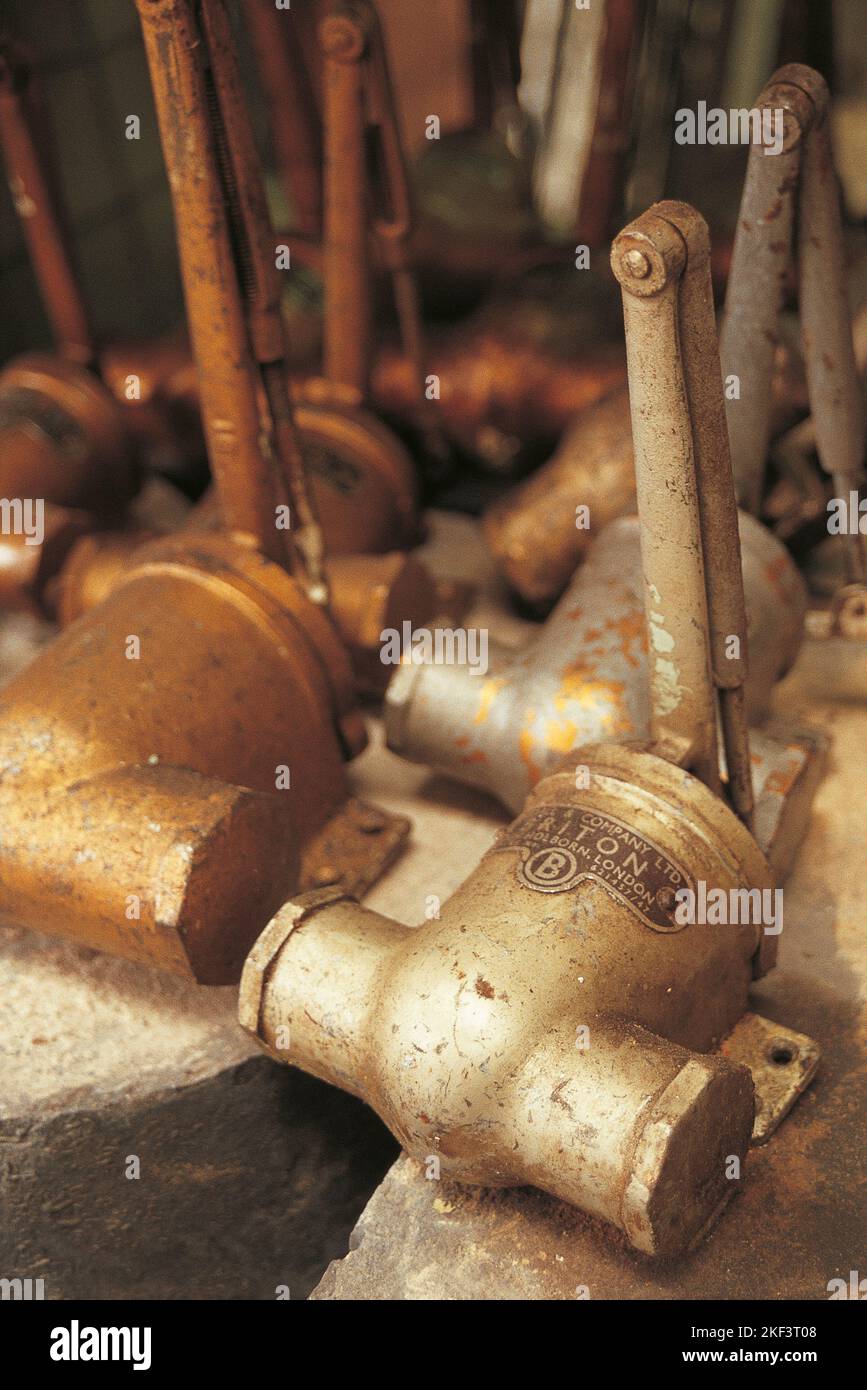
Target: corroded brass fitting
<point>554,1026</point>
<point>589,481</point>
<point>173,757</point>
<point>63,437</point>
<point>584,678</point>
<point>368,592</point>
<point>516,374</point>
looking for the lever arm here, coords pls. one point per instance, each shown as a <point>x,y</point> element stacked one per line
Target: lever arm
<point>230,279</point>
<point>799,181</point>
<point>689,535</point>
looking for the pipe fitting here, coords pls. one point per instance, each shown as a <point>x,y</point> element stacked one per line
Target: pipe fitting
<point>554,1026</point>
<point>142,805</point>
<point>584,678</point>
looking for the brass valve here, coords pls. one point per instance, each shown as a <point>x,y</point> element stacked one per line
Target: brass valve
<point>559,1023</point>
<point>584,678</point>
<point>175,763</point>
<point>465,1034</point>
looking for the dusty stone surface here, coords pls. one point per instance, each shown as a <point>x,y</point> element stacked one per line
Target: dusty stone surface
<point>800,1213</point>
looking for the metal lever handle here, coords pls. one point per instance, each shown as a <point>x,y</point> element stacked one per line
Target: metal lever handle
<point>689,531</point>
<point>38,206</point>
<point>294,119</point>
<point>230,280</point>
<point>800,177</point>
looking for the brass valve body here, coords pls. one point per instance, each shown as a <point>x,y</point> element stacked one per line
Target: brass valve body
<point>139,803</point>
<point>584,678</point>
<point>63,437</point>
<point>554,1026</point>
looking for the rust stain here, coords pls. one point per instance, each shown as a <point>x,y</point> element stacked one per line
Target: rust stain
<point>526,744</point>
<point>631,628</point>
<point>487,696</point>
<point>560,737</point>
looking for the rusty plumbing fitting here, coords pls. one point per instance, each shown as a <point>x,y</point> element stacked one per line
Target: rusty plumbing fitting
<point>63,437</point>
<point>64,444</point>
<point>593,469</point>
<point>144,819</point>
<point>583,679</point>
<point>368,592</point>
<point>555,1024</point>
<point>515,374</point>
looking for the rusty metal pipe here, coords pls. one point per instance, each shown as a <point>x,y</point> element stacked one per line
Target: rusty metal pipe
<point>344,39</point>
<point>38,209</point>
<point>293,118</point>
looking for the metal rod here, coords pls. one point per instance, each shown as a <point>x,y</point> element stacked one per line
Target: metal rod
<point>343,38</point>
<point>800,176</point>
<point>832,373</point>
<point>231,282</point>
<point>718,516</point>
<point>293,117</point>
<point>215,309</point>
<point>393,229</point>
<point>37,203</point>
<point>261,284</point>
